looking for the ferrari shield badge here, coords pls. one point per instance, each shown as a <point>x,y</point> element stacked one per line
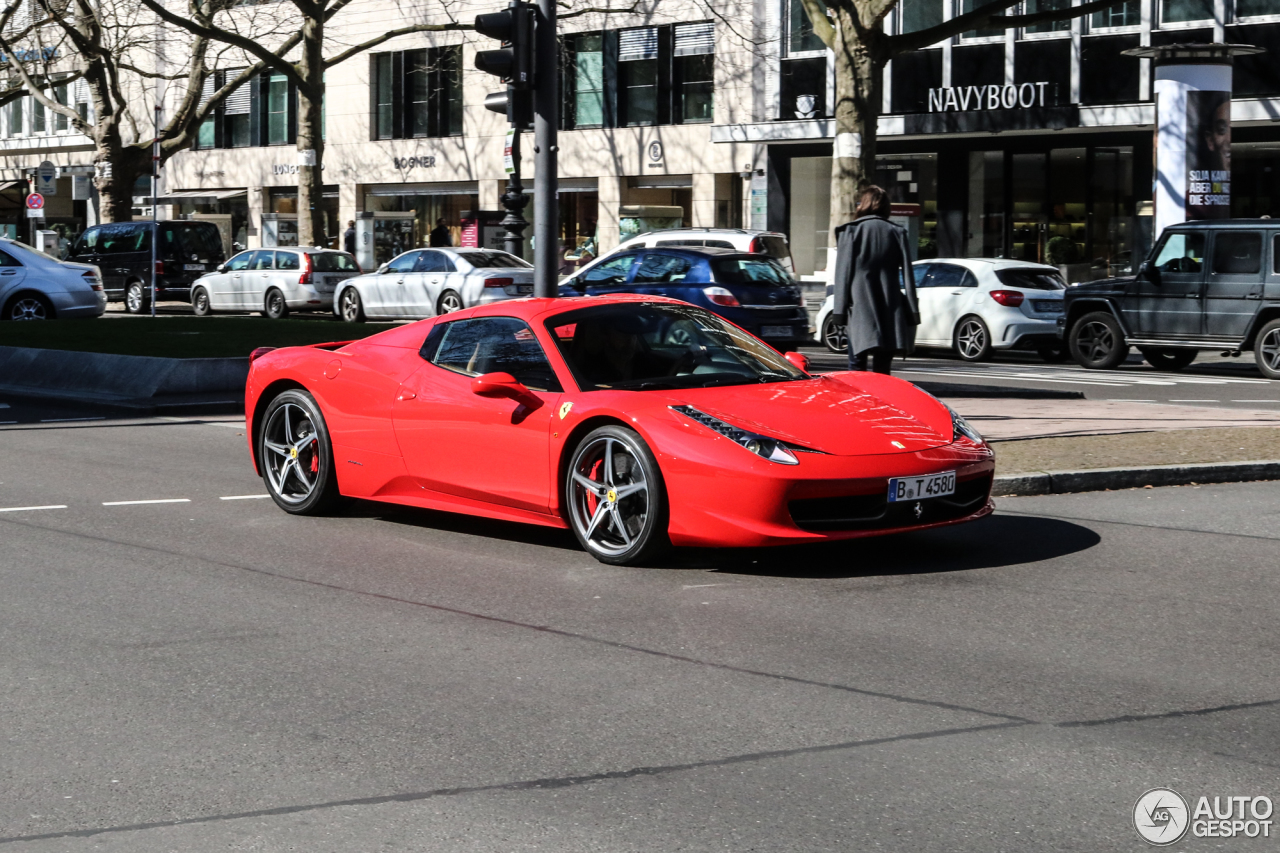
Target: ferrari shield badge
<point>564,409</point>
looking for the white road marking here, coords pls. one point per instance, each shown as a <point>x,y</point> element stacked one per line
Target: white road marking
<point>1255,401</point>
<point>161,501</point>
<point>243,497</point>
<point>1120,400</point>
<point>27,508</point>
<point>64,420</point>
<point>1193,401</point>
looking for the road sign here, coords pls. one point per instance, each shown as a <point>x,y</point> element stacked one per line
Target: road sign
<point>35,201</point>
<point>47,178</point>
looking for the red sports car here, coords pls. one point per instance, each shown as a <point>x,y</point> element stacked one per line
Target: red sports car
<point>638,422</point>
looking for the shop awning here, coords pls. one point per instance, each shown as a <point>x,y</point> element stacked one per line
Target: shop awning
<point>439,188</point>
<point>197,196</point>
<point>8,185</point>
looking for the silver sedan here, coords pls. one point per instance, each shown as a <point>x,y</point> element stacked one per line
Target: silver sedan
<point>34,286</point>
<point>426,282</point>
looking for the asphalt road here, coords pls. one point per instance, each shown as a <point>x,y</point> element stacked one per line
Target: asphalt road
<point>213,674</point>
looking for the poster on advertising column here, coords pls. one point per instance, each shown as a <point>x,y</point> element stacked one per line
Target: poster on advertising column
<point>1208,140</point>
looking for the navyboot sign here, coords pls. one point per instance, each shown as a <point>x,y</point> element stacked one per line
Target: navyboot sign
<point>964,98</point>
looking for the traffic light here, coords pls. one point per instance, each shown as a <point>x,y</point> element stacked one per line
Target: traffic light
<point>513,62</point>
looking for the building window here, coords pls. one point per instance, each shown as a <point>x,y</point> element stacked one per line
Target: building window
<point>584,81</point>
<point>1183,11</point>
<point>277,86</point>
<point>237,111</point>
<point>206,133</point>
<point>638,77</point>
<point>800,35</point>
<point>693,71</point>
<point>1031,7</point>
<point>804,88</point>
<point>1126,14</point>
<point>15,117</point>
<point>1257,8</point>
<point>61,96</point>
<point>917,15</point>
<point>417,93</point>
<point>995,32</point>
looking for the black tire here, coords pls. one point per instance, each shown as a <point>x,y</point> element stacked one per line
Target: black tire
<point>293,421</point>
<point>273,305</point>
<point>28,306</point>
<point>972,339</point>
<point>833,336</point>
<point>449,302</point>
<point>613,526</point>
<point>200,302</point>
<point>1266,350</point>
<point>1097,342</point>
<point>137,298</point>
<point>350,308</point>
<point>1168,358</point>
<point>1053,355</point>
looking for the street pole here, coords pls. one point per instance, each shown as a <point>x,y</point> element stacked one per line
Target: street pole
<point>514,201</point>
<point>155,197</point>
<point>546,200</point>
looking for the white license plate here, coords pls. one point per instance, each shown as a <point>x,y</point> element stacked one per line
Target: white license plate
<point>919,488</point>
<point>524,288</point>
<point>196,267</point>
<point>775,331</point>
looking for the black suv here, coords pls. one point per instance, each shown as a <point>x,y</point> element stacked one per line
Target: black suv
<point>122,250</point>
<point>1206,285</point>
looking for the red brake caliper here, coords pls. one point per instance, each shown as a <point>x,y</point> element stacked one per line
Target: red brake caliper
<point>593,500</point>
<point>315,457</point>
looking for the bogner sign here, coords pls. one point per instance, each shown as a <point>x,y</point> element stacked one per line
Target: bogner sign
<point>992,97</point>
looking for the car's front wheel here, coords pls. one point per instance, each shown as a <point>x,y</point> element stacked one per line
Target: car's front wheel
<point>615,497</point>
<point>833,335</point>
<point>200,302</point>
<point>973,339</point>
<point>350,308</point>
<point>1168,358</point>
<point>1266,352</point>
<point>136,298</point>
<point>296,456</point>
<point>1097,342</point>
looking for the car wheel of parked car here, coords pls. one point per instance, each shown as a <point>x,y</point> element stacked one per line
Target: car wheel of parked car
<point>274,307</point>
<point>449,302</point>
<point>1053,355</point>
<point>973,341</point>
<point>615,498</point>
<point>28,306</point>
<point>349,307</point>
<point>1168,358</point>
<point>296,456</point>
<point>200,302</point>
<point>1097,343</point>
<point>136,298</point>
<point>1266,351</point>
<point>833,335</point>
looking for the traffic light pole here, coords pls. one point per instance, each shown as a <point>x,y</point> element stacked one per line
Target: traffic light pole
<point>546,201</point>
<point>514,201</point>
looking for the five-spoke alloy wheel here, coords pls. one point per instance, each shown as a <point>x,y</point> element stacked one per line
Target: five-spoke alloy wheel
<point>449,302</point>
<point>274,307</point>
<point>973,341</point>
<point>1097,342</point>
<point>1266,351</point>
<point>137,299</point>
<point>349,307</point>
<point>833,335</point>
<point>615,497</point>
<point>200,302</point>
<point>295,456</point>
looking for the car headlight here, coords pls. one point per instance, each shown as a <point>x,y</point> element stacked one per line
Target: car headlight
<point>961,427</point>
<point>761,445</point>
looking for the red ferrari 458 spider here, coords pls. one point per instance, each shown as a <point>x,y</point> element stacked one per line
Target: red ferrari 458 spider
<point>637,422</point>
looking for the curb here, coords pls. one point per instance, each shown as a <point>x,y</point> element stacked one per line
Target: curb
<point>1102,479</point>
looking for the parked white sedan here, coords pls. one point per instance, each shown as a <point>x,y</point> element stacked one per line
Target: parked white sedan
<point>426,282</point>
<point>977,306</point>
<point>274,281</point>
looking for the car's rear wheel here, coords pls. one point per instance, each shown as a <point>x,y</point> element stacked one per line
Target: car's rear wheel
<point>200,302</point>
<point>973,339</point>
<point>833,335</point>
<point>350,308</point>
<point>1266,351</point>
<point>273,306</point>
<point>449,302</point>
<point>296,456</point>
<point>615,497</point>
<point>1097,342</point>
<point>1168,358</point>
<point>28,306</point>
<point>137,299</point>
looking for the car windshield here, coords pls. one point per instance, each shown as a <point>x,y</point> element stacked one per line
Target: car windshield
<point>647,346</point>
<point>201,240</point>
<point>755,270</point>
<point>494,260</point>
<point>334,262</point>
<point>1030,279</point>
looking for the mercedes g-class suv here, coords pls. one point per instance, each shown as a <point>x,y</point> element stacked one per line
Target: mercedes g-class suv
<point>1212,284</point>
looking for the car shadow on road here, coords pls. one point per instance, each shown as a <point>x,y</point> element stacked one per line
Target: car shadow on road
<point>991,542</point>
<point>430,519</point>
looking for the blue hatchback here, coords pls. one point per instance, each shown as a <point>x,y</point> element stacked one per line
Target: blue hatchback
<point>751,291</point>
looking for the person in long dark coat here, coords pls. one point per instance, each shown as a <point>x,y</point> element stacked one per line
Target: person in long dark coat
<point>871,258</point>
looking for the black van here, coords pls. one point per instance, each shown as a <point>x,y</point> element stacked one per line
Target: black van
<point>122,250</point>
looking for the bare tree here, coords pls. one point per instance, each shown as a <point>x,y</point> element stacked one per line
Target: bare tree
<point>854,31</point>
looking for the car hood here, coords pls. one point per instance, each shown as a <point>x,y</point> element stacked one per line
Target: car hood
<point>845,414</point>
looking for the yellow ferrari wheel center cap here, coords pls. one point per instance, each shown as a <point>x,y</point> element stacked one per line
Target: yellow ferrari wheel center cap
<point>612,495</point>
<point>293,452</point>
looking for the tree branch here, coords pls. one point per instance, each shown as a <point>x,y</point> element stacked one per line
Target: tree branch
<point>273,59</point>
<point>817,12</point>
<point>387,36</point>
<point>1052,14</point>
<point>923,38</point>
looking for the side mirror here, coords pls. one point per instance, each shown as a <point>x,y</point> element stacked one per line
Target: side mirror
<point>798,359</point>
<point>497,385</point>
<point>383,268</point>
<point>1149,272</point>
<point>222,267</point>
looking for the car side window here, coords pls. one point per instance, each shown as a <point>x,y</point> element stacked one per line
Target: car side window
<point>88,241</point>
<point>969,280</point>
<point>239,262</point>
<point>288,261</point>
<point>1237,253</point>
<point>433,262</point>
<point>662,269</point>
<point>719,244</point>
<point>263,259</point>
<point>946,275</point>
<point>495,345</point>
<point>118,239</point>
<point>8,260</point>
<point>1275,254</point>
<point>403,263</point>
<point>610,273</point>
<point>679,243</point>
<point>921,272</point>
<point>1181,253</point>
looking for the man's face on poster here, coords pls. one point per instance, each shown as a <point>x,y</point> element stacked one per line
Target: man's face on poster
<point>1217,136</point>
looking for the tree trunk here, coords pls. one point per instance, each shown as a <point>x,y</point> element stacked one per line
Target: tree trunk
<point>311,219</point>
<point>858,68</point>
<point>117,168</point>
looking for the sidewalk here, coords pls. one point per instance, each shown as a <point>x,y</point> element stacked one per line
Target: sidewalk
<point>1005,418</point>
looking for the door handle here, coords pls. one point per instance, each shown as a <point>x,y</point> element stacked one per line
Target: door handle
<point>399,281</point>
<point>406,395</point>
<point>9,272</point>
<point>957,293</point>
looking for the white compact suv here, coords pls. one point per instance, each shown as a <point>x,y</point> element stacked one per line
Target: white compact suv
<point>977,306</point>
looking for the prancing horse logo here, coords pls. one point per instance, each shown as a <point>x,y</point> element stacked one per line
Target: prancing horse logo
<point>919,510</point>
<point>564,409</point>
